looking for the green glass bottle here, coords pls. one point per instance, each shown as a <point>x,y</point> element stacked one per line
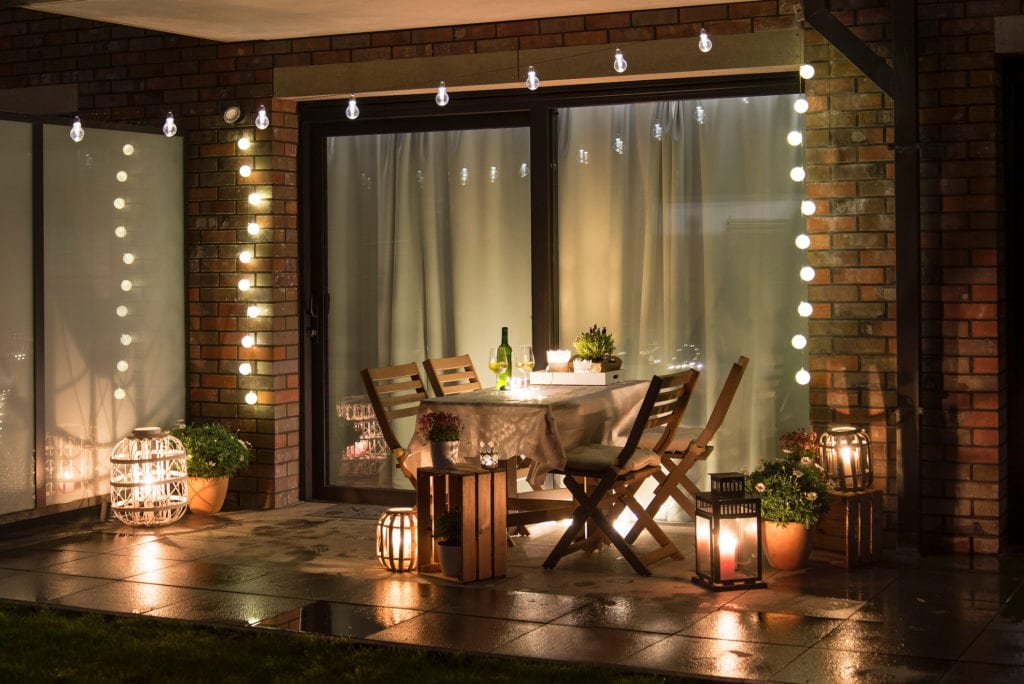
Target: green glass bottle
<point>507,372</point>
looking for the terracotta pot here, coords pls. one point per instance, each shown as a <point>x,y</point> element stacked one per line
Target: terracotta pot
<point>787,547</point>
<point>206,494</point>
<point>450,557</point>
<point>444,454</point>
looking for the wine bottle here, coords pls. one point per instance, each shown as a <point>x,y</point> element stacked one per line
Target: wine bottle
<point>507,373</point>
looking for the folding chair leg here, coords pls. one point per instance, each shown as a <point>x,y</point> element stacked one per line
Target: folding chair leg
<point>670,484</point>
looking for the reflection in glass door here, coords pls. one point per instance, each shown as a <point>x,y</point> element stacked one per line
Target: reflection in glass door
<point>428,255</point>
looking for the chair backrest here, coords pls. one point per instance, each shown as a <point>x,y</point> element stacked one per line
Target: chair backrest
<point>732,382</point>
<point>452,375</point>
<point>642,421</point>
<point>395,392</point>
<point>670,405</point>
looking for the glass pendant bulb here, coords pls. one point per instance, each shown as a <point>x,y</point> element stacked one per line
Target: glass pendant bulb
<point>251,398</point>
<point>262,120</point>
<point>248,341</point>
<point>122,365</point>
<point>802,241</point>
<point>797,173</point>
<point>352,111</point>
<point>619,63</point>
<point>801,106</point>
<point>244,142</point>
<point>704,42</point>
<point>806,71</point>
<point>77,132</point>
<point>807,274</point>
<point>794,138</point>
<point>442,95</point>
<point>245,368</point>
<point>253,311</point>
<point>245,256</point>
<point>170,129</point>
<point>532,82</point>
<point>253,228</point>
<point>803,377</point>
<point>805,309</point>
<point>798,342</point>
<point>244,170</point>
<point>808,207</point>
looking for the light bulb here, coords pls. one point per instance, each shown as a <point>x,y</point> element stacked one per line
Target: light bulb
<point>253,311</point>
<point>807,274</point>
<point>802,377</point>
<point>121,176</point>
<point>619,146</point>
<point>801,106</point>
<point>121,311</point>
<point>797,173</point>
<point>128,258</point>
<point>248,341</point>
<point>251,398</point>
<point>492,174</point>
<point>245,368</point>
<point>128,150</point>
<point>77,132</point>
<point>245,256</point>
<point>532,82</point>
<point>119,394</point>
<point>262,119</point>
<point>806,71</point>
<point>352,111</point>
<point>442,95</point>
<point>802,241</point>
<point>170,129</point>
<point>808,207</point>
<point>795,138</point>
<point>524,170</point>
<point>122,365</point>
<point>805,309</point>
<point>119,202</point>
<point>244,284</point>
<point>254,198</point>
<point>704,42</point>
<point>126,340</point>
<point>126,285</point>
<point>243,143</point>
<point>798,341</point>
<point>244,170</point>
<point>619,63</point>
<point>253,228</point>
<point>656,131</point>
<point>698,114</point>
<point>120,231</point>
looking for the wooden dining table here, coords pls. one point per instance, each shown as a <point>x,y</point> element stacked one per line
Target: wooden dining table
<point>540,422</point>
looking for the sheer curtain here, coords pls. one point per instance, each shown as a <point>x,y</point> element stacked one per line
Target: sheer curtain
<point>428,245</point>
<point>676,223</point>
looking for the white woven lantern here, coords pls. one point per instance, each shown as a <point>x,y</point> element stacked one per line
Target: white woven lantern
<point>396,539</point>
<point>147,478</point>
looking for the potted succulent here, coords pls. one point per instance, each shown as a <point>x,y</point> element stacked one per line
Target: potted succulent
<point>448,535</point>
<point>214,455</point>
<point>794,495</point>
<point>594,349</point>
<point>441,430</point>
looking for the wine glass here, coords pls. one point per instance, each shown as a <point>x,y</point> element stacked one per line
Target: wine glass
<point>497,361</point>
<point>525,361</point>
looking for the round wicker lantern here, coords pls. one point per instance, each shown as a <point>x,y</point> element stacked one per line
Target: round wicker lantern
<point>396,539</point>
<point>147,478</point>
<point>845,453</point>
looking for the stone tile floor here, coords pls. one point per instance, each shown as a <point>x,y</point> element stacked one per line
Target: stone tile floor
<point>311,567</point>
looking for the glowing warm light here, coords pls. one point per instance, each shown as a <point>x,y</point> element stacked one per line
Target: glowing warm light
<point>251,398</point>
<point>253,311</point>
<point>128,150</point>
<point>255,198</point>
<point>801,106</point>
<point>122,365</point>
<point>532,81</point>
<point>244,284</point>
<point>77,132</point>
<point>253,228</point>
<point>248,340</point>
<point>727,554</point>
<point>128,258</point>
<point>797,173</point>
<point>619,62</point>
<point>245,368</point>
<point>798,341</point>
<point>245,256</point>
<point>806,71</point>
<point>802,241</point>
<point>352,110</point>
<point>442,95</point>
<point>803,377</point>
<point>121,176</point>
<point>120,231</point>
<point>396,539</point>
<point>805,309</point>
<point>119,394</point>
<point>126,339</point>
<point>794,138</point>
<point>119,202</point>
<point>244,170</point>
<point>126,285</point>
<point>244,142</point>
<point>704,41</point>
<point>807,274</point>
<point>121,311</point>
<point>808,207</point>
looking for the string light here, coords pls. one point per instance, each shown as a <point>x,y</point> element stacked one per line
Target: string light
<point>806,71</point>
<point>77,132</point>
<point>619,63</point>
<point>262,120</point>
<point>442,95</point>
<point>352,110</point>
<point>170,129</point>
<point>532,81</point>
<point>704,41</point>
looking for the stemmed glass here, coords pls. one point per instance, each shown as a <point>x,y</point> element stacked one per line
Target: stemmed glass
<point>498,361</point>
<point>525,362</point>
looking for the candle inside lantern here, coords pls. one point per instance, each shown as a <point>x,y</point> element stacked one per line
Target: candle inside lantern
<point>727,554</point>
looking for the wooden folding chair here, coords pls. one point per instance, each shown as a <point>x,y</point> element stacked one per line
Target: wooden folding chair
<point>395,392</point>
<point>452,375</point>
<point>615,474</point>
<point>681,449</point>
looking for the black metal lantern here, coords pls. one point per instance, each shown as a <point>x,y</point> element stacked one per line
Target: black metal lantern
<point>845,453</point>
<point>728,536</point>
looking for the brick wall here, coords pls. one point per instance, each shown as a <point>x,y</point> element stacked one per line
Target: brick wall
<point>126,74</point>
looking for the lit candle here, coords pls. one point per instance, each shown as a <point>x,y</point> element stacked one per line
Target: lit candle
<point>727,555</point>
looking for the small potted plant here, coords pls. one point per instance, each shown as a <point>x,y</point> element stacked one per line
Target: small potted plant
<point>441,430</point>
<point>448,535</point>
<point>214,455</point>
<point>794,495</point>
<point>594,349</point>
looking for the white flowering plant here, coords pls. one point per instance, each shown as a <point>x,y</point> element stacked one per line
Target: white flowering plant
<point>793,487</point>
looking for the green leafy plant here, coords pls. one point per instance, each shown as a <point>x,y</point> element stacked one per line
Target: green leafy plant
<point>439,426</point>
<point>595,344</point>
<point>448,528</point>
<point>793,487</point>
<point>212,449</point>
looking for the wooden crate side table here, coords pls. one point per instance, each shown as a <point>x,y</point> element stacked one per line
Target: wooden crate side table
<point>852,527</point>
<point>480,496</point>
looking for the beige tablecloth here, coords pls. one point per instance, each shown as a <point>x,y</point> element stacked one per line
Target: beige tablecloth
<point>542,427</point>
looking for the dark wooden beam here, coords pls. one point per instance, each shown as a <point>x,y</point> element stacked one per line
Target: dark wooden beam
<point>820,17</point>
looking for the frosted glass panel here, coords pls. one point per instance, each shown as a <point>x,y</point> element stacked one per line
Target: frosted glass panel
<point>114,303</point>
<point>17,428</point>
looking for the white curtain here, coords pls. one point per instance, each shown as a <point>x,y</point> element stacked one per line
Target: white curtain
<point>676,223</point>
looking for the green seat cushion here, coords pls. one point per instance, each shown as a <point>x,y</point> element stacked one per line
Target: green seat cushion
<point>597,459</point>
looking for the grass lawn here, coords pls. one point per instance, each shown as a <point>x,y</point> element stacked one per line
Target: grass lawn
<point>43,645</point>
